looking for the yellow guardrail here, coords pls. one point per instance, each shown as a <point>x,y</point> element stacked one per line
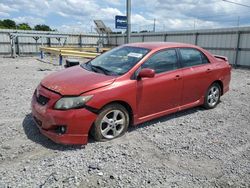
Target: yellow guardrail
<point>85,52</point>
<point>51,50</point>
<point>88,49</point>
<point>79,54</point>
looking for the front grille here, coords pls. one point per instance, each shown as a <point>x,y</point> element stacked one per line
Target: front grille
<point>42,100</point>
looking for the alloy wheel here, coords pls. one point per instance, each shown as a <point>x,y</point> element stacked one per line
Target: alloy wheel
<point>112,124</point>
<point>213,96</point>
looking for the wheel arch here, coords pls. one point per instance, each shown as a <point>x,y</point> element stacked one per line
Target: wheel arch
<point>220,84</point>
<point>128,108</point>
<point>124,104</point>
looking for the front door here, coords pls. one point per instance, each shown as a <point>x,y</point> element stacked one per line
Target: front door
<point>163,92</point>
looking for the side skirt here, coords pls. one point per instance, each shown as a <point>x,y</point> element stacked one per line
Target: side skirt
<point>169,111</point>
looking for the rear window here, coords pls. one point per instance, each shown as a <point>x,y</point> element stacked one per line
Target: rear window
<point>192,57</point>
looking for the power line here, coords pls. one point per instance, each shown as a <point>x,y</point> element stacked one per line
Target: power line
<point>236,3</point>
<point>228,17</point>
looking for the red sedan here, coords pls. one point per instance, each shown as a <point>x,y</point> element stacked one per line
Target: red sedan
<point>126,86</point>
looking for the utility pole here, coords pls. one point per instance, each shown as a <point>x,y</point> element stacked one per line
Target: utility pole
<point>164,27</point>
<point>154,26</point>
<point>238,21</point>
<point>128,20</point>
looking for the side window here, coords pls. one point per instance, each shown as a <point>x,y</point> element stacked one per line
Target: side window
<point>162,61</point>
<point>191,57</point>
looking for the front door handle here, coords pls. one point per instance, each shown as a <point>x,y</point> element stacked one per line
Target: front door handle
<point>209,70</point>
<point>177,77</point>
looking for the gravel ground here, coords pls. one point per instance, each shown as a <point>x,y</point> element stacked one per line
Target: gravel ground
<point>193,148</point>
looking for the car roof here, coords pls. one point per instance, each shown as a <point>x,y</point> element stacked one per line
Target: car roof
<point>160,45</point>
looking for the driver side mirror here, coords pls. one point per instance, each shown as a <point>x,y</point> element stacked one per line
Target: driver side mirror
<point>146,73</point>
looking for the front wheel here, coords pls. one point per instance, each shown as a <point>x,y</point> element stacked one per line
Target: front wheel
<point>212,97</point>
<point>112,122</point>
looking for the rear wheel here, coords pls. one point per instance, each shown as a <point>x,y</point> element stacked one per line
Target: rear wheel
<point>212,97</point>
<point>112,122</point>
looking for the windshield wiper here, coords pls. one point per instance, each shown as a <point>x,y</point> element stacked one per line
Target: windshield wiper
<point>105,71</point>
<point>84,65</point>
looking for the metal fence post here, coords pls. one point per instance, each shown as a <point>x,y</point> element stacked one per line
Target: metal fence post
<point>165,37</point>
<point>196,38</point>
<point>36,39</point>
<point>17,47</point>
<point>13,48</point>
<point>49,42</point>
<point>237,49</point>
<point>80,40</point>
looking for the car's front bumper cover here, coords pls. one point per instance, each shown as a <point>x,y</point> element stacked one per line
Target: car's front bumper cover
<point>77,121</point>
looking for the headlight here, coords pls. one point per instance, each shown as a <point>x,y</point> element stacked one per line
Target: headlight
<point>72,102</point>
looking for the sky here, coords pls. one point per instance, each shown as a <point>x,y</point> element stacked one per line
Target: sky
<point>78,15</point>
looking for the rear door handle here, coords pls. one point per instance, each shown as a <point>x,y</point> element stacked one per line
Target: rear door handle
<point>177,77</point>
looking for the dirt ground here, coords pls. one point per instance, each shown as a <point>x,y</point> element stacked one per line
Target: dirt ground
<point>193,148</point>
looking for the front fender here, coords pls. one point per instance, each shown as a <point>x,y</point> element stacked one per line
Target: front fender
<point>124,91</point>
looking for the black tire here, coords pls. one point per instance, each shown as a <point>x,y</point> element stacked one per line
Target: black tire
<point>99,124</point>
<point>208,104</point>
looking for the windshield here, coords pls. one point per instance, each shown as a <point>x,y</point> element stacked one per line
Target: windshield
<point>117,61</point>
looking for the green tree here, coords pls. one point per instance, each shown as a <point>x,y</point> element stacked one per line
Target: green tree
<point>42,28</point>
<point>8,24</point>
<point>24,26</point>
<point>1,24</point>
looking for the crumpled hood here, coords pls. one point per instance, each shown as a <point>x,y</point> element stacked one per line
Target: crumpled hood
<point>76,80</point>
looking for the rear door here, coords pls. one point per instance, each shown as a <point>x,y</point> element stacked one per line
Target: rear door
<point>163,92</point>
<point>197,74</point>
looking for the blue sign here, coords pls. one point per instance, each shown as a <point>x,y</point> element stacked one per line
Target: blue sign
<point>120,22</point>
